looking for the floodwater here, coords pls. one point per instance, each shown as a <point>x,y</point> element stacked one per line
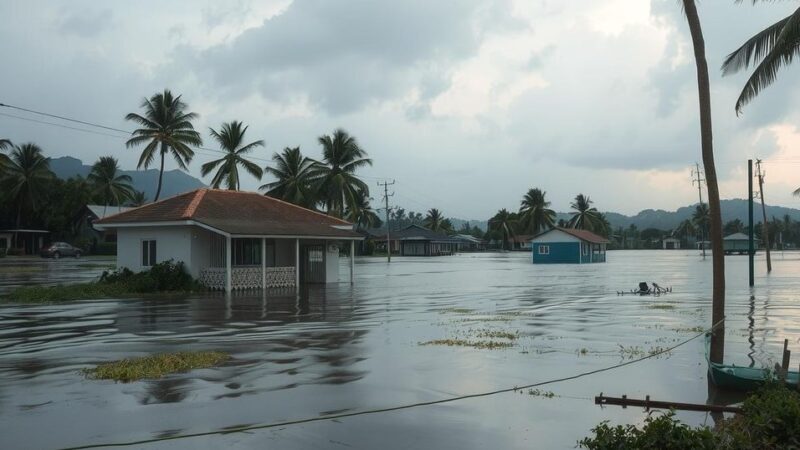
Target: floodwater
<point>346,348</point>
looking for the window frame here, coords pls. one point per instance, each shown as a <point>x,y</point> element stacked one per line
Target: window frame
<point>149,252</point>
<point>543,249</point>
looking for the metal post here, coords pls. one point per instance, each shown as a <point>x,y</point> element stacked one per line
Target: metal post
<point>264,264</point>
<point>752,249</point>
<point>352,260</point>
<point>297,263</point>
<point>228,264</point>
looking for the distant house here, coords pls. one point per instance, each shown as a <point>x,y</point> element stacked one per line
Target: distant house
<point>671,243</point>
<point>88,215</point>
<point>568,246</point>
<point>233,240</point>
<point>23,241</point>
<point>415,240</point>
<point>736,243</point>
<point>469,243</point>
<point>521,242</point>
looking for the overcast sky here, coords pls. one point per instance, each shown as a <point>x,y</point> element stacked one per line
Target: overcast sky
<point>465,103</point>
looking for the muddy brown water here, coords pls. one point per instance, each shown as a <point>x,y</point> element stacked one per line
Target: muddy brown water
<point>346,348</point>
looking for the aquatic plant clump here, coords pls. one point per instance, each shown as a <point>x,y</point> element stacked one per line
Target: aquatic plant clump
<point>156,366</point>
<point>489,345</point>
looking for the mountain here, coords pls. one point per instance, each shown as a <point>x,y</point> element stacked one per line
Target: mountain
<point>175,181</point>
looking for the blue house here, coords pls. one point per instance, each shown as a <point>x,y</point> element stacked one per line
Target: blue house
<point>568,246</point>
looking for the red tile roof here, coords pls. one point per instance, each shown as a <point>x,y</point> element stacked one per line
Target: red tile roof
<point>238,213</point>
<point>584,235</point>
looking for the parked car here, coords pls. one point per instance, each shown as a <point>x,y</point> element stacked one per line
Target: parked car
<point>58,249</point>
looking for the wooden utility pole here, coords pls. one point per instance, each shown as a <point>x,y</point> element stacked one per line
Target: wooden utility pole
<point>765,226</point>
<point>386,196</point>
<point>699,180</point>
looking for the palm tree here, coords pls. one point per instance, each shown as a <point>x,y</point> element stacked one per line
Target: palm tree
<point>685,229</point>
<point>707,149</point>
<point>4,144</point>
<point>504,223</point>
<point>434,220</point>
<point>363,216</point>
<point>26,173</point>
<point>107,183</point>
<point>166,128</point>
<point>586,216</point>
<point>338,186</point>
<point>139,198</point>
<point>230,139</point>
<point>701,217</point>
<point>767,51</point>
<point>535,216</point>
<point>295,177</point>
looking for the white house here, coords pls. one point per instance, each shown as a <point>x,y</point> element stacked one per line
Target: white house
<point>233,240</point>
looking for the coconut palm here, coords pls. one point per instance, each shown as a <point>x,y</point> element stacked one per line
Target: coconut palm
<point>24,178</point>
<point>4,144</point>
<point>535,214</point>
<point>586,216</point>
<point>504,223</point>
<point>338,185</point>
<point>295,178</point>
<point>138,198</point>
<point>363,216</point>
<point>166,128</point>
<point>701,217</point>
<point>767,51</point>
<point>434,220</point>
<point>685,229</point>
<point>111,187</point>
<point>707,149</point>
<point>230,140</point>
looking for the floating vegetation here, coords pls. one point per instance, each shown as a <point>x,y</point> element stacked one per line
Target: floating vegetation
<point>697,329</point>
<point>635,351</point>
<point>456,311</point>
<point>661,306</point>
<point>541,393</point>
<point>156,366</point>
<point>492,334</point>
<point>489,345</point>
<point>583,352</point>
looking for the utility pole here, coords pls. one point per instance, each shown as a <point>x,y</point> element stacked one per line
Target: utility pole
<point>386,196</point>
<point>699,180</point>
<point>752,250</point>
<point>765,226</point>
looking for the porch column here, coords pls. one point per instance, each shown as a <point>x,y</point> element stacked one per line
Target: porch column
<point>228,264</point>
<point>297,263</point>
<point>352,260</point>
<point>264,264</point>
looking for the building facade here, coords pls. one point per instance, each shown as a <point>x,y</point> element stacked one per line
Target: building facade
<point>568,246</point>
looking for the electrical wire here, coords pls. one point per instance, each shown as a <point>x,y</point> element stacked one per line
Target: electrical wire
<point>391,408</point>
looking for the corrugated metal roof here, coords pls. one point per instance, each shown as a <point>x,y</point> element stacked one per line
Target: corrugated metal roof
<point>102,211</point>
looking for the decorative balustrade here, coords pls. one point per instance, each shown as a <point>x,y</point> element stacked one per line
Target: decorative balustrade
<point>247,277</point>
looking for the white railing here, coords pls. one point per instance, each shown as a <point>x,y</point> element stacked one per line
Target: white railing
<point>247,277</point>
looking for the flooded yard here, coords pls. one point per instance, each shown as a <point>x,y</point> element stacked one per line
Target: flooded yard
<point>417,330</point>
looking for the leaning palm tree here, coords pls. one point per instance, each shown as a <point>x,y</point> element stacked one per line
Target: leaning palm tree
<point>230,139</point>
<point>139,198</point>
<point>586,216</point>
<point>707,149</point>
<point>504,223</point>
<point>535,214</point>
<point>295,178</point>
<point>108,185</point>
<point>363,216</point>
<point>434,220</point>
<point>24,178</point>
<point>767,51</point>
<point>165,128</point>
<point>338,185</point>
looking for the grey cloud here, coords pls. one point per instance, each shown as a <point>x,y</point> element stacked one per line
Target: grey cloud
<point>84,23</point>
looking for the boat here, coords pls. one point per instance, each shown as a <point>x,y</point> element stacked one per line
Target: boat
<point>729,376</point>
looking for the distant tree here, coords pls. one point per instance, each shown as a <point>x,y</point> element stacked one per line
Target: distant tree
<point>165,128</point>
<point>534,213</point>
<point>108,185</point>
<point>685,229</point>
<point>295,177</point>
<point>433,221</point>
<point>139,198</point>
<point>24,178</point>
<point>231,139</point>
<point>504,224</point>
<point>701,217</point>
<point>4,144</point>
<point>733,226</point>
<point>447,227</point>
<point>585,216</point>
<point>338,185</point>
<point>363,216</point>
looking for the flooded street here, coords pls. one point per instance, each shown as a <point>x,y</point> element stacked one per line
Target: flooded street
<point>382,343</point>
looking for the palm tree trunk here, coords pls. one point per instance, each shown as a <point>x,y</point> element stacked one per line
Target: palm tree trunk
<point>160,172</point>
<point>715,231</point>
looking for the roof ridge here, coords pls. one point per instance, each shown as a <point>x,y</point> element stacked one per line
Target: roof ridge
<point>192,206</point>
<point>135,208</point>
<point>344,222</point>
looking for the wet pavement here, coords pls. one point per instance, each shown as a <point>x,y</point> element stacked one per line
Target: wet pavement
<point>349,348</point>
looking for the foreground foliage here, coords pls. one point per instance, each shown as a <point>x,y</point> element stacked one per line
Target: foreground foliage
<point>167,276</point>
<point>156,366</point>
<point>771,420</point>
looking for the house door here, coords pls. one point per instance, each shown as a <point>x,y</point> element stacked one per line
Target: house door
<point>313,264</point>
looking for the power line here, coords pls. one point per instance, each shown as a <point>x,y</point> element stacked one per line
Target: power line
<point>28,119</point>
<point>395,408</point>
<point>63,118</point>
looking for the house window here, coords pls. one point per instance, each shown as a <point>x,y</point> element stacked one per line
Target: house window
<point>148,253</point>
<point>544,249</point>
<point>246,252</point>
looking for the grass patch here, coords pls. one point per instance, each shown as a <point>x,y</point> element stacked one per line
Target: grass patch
<point>488,345</point>
<point>155,366</point>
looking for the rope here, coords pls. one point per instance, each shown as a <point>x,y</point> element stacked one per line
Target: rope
<point>392,408</point>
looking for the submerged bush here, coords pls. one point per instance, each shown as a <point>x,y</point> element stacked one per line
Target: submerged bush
<point>156,366</point>
<point>771,420</point>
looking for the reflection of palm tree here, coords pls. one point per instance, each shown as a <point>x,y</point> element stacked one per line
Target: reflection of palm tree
<point>166,128</point>
<point>295,176</point>
<point>230,139</point>
<point>111,187</point>
<point>338,185</point>
<point>535,214</point>
<point>586,216</point>
<point>503,222</point>
<point>26,173</point>
<point>434,220</point>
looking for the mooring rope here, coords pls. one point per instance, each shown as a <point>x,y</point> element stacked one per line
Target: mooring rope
<point>393,408</point>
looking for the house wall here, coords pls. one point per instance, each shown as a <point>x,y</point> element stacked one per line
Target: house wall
<point>201,250</point>
<point>560,253</point>
<point>175,242</point>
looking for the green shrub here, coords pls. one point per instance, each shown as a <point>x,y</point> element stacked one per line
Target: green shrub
<point>660,431</point>
<point>155,366</point>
